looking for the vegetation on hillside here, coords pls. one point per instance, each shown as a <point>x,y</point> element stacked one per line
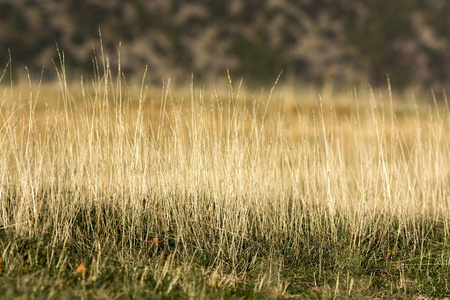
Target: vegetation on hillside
<point>345,41</point>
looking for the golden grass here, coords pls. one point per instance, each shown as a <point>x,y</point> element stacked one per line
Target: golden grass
<point>272,157</point>
<point>217,170</point>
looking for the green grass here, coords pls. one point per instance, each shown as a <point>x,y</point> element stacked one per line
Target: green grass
<point>38,267</point>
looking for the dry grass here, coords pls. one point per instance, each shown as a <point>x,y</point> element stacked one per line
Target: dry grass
<point>222,192</point>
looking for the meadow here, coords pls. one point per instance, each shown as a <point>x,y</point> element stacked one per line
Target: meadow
<point>109,190</point>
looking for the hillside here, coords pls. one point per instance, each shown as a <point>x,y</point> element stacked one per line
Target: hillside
<point>336,41</point>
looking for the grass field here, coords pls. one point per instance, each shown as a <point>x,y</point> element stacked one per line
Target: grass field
<point>116,191</point>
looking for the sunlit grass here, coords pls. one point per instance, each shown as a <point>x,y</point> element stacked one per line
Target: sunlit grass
<point>115,190</point>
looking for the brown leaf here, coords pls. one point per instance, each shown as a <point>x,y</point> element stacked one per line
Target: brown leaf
<point>81,270</point>
<point>156,241</point>
<point>70,281</point>
<point>297,248</point>
<point>388,256</point>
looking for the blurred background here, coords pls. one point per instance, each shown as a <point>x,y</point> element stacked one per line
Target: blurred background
<point>344,42</point>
